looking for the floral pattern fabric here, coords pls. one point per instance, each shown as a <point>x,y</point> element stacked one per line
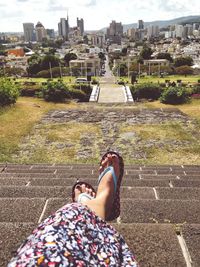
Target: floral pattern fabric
<point>74,236</point>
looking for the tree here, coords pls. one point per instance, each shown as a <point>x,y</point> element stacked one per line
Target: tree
<point>9,92</point>
<point>165,56</point>
<point>182,61</point>
<point>184,70</point>
<point>34,64</point>
<point>146,52</point>
<point>124,51</point>
<point>49,60</point>
<point>102,56</point>
<point>68,57</point>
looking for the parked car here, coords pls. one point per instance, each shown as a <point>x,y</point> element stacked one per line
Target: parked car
<point>81,80</point>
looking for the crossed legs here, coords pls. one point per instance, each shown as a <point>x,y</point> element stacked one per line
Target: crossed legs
<point>103,201</point>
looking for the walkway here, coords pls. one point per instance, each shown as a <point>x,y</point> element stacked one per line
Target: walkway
<point>109,91</point>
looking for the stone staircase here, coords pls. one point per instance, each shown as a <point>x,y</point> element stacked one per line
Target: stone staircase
<point>160,216</point>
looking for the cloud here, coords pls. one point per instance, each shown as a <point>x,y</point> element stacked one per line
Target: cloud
<point>56,8</point>
<point>91,3</point>
<point>171,6</point>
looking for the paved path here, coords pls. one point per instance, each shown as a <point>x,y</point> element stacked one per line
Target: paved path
<point>109,91</point>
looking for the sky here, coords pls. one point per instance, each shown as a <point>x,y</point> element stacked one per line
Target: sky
<point>97,14</point>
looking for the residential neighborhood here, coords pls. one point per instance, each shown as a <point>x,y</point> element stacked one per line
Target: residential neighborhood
<point>122,48</point>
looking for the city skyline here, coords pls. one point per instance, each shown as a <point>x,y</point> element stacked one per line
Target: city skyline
<point>13,13</point>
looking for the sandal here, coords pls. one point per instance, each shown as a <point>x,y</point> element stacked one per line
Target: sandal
<point>82,196</point>
<point>115,211</point>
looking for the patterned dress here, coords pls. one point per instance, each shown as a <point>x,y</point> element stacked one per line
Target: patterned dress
<point>74,236</point>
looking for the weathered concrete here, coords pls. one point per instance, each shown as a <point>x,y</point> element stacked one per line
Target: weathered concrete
<point>153,244</point>
<point>191,234</point>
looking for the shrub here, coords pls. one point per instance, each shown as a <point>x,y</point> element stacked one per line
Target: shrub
<point>43,74</point>
<point>30,90</point>
<point>184,70</point>
<point>174,95</point>
<point>196,89</point>
<point>86,88</point>
<point>146,90</point>
<point>94,81</point>
<point>9,92</point>
<point>78,94</point>
<point>55,91</point>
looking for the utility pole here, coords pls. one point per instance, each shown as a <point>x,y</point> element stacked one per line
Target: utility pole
<point>128,69</point>
<point>50,69</point>
<point>60,71</point>
<point>139,70</point>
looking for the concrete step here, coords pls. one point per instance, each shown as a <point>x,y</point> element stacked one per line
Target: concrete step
<point>152,244</point>
<point>160,211</point>
<point>64,192</point>
<point>93,181</point>
<point>186,193</point>
<point>132,211</point>
<point>11,236</point>
<point>21,209</point>
<point>186,183</point>
<point>191,235</point>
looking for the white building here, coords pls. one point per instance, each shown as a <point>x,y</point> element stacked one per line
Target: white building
<point>179,30</point>
<point>152,31</point>
<point>86,66</point>
<point>29,32</point>
<point>40,32</point>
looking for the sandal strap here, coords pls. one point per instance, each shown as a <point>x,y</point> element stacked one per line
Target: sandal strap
<point>84,196</point>
<point>109,169</point>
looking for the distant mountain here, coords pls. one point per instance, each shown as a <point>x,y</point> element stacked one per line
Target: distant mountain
<point>164,23</point>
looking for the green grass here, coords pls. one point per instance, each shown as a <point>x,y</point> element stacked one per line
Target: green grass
<point>156,79</point>
<point>18,120</point>
<point>187,79</point>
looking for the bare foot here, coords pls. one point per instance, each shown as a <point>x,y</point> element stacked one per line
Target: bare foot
<point>79,189</point>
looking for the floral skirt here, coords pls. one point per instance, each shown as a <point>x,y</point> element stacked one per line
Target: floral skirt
<point>74,236</point>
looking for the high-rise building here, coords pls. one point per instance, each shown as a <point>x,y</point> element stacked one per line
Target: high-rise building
<point>179,30</point>
<point>152,31</point>
<point>140,24</point>
<point>50,33</point>
<point>115,28</point>
<point>63,28</point>
<point>131,33</point>
<point>80,25</point>
<point>115,32</point>
<point>189,29</point>
<point>40,32</point>
<point>29,32</point>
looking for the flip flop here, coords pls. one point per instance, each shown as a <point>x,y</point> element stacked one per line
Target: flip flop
<point>115,211</point>
<point>82,196</point>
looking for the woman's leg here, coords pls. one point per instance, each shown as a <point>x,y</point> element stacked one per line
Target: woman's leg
<point>103,202</point>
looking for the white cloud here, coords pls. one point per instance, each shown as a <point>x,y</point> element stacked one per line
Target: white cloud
<point>96,13</point>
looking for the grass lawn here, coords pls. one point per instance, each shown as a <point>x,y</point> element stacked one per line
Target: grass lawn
<point>187,79</point>
<point>17,121</point>
<point>156,79</point>
<point>67,79</point>
<point>192,108</point>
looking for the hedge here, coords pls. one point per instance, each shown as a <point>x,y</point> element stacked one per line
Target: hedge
<point>146,90</point>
